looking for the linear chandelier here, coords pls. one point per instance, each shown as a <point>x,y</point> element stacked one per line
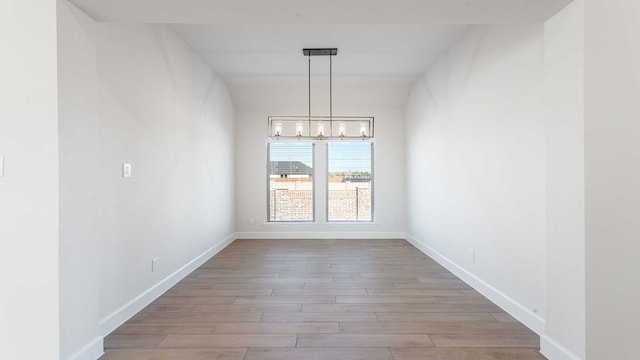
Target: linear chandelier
<point>321,127</point>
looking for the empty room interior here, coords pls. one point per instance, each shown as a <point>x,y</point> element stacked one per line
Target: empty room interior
<point>367,179</point>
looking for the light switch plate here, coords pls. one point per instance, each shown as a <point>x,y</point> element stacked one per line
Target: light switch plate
<point>126,170</point>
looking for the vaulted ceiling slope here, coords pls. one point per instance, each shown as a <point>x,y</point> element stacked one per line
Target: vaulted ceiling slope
<point>255,46</point>
<point>366,53</point>
<point>323,11</point>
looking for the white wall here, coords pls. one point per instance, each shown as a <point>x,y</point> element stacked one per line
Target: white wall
<point>612,176</point>
<point>565,290</point>
<point>79,212</point>
<point>29,187</point>
<point>158,107</point>
<point>475,145</point>
<point>256,101</point>
<point>162,110</point>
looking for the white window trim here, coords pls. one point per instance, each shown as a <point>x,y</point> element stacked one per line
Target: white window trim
<point>314,186</point>
<point>320,186</point>
<point>373,188</point>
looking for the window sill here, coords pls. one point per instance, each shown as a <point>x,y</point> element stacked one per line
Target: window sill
<point>307,223</point>
<point>289,223</point>
<point>341,223</point>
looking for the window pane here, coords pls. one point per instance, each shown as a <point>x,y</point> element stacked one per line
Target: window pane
<point>350,181</point>
<point>290,181</point>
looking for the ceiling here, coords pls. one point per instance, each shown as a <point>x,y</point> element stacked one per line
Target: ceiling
<point>323,11</point>
<point>382,42</point>
<point>366,53</point>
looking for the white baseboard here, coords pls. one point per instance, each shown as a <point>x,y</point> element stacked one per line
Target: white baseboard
<point>91,351</point>
<point>514,308</point>
<point>321,235</point>
<point>118,317</point>
<point>554,351</point>
<point>549,347</point>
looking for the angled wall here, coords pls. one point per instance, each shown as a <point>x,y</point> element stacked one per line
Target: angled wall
<point>475,160</point>
<point>135,94</point>
<point>495,161</point>
<point>162,110</point>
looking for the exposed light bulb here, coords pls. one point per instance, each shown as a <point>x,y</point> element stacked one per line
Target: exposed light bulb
<point>278,129</point>
<point>363,130</point>
<point>299,129</point>
<point>320,129</point>
<point>342,130</point>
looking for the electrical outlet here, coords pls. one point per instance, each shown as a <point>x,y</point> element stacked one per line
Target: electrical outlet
<point>472,255</point>
<point>154,264</point>
<point>252,221</point>
<point>392,220</point>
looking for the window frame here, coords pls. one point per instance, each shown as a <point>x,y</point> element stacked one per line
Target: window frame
<point>371,143</point>
<point>268,184</point>
<point>320,167</point>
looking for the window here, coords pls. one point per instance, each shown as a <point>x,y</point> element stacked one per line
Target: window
<point>350,181</point>
<point>290,181</point>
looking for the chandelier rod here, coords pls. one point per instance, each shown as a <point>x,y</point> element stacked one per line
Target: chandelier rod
<point>309,83</point>
<point>321,52</point>
<point>330,94</point>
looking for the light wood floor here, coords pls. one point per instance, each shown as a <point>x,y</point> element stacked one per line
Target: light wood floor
<point>322,299</point>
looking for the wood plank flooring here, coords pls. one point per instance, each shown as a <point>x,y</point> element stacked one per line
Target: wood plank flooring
<point>322,299</point>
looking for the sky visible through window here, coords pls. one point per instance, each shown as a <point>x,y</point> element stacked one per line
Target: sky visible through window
<point>349,157</point>
<point>345,156</point>
<point>292,151</point>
